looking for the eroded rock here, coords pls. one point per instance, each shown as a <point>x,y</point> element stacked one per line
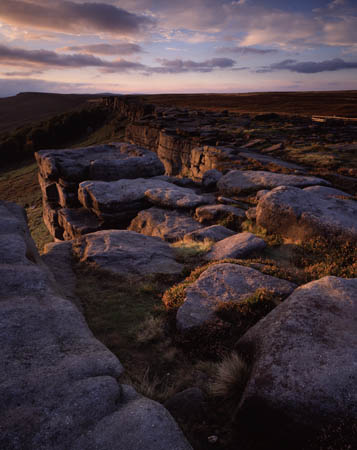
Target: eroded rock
<point>168,225</point>
<point>239,245</point>
<point>222,283</point>
<point>213,233</point>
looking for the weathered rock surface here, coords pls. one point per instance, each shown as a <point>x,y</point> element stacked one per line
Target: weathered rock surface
<point>59,385</point>
<point>222,283</point>
<point>213,233</point>
<point>117,202</point>
<point>239,182</point>
<point>304,358</point>
<point>240,245</point>
<point>211,177</point>
<point>301,214</point>
<point>108,162</point>
<point>76,222</point>
<point>212,213</point>
<point>127,252</point>
<point>168,225</point>
<point>61,171</point>
<point>174,197</point>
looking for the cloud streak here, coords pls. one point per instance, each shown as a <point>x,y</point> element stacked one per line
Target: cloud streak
<point>330,65</point>
<point>70,17</point>
<point>245,51</point>
<point>181,66</point>
<point>106,49</point>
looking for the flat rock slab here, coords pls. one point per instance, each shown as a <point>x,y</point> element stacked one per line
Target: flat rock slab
<point>304,358</point>
<point>99,162</point>
<point>238,182</point>
<point>213,233</point>
<point>128,253</point>
<point>265,160</point>
<point>223,283</point>
<point>168,225</point>
<point>58,384</point>
<point>175,197</point>
<point>239,245</point>
<point>302,214</point>
<point>77,222</point>
<point>210,213</point>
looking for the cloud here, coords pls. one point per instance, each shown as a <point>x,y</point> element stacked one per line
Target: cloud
<point>292,65</point>
<point>50,59</point>
<point>246,50</point>
<point>106,49</point>
<point>70,17</point>
<point>181,66</point>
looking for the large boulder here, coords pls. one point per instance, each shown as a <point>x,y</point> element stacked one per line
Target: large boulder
<point>223,283</point>
<point>239,245</point>
<point>117,202</point>
<point>99,162</point>
<point>304,357</point>
<point>127,253</point>
<point>301,214</point>
<point>168,225</point>
<point>238,182</point>
<point>59,385</point>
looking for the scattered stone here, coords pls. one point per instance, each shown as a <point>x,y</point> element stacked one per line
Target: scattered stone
<point>240,245</point>
<point>223,283</point>
<point>304,359</point>
<point>211,213</point>
<point>128,253</point>
<point>212,439</point>
<point>213,233</point>
<point>168,225</point>
<point>239,182</point>
<point>302,214</point>
<point>227,201</point>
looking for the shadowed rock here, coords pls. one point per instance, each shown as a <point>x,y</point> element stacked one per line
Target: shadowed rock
<point>210,213</point>
<point>213,233</point>
<point>223,283</point>
<point>240,245</point>
<point>239,182</point>
<point>304,359</point>
<point>168,225</point>
<point>301,214</point>
<point>129,253</point>
<point>59,385</point>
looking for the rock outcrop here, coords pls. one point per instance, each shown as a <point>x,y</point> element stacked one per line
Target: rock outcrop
<point>59,385</point>
<point>304,359</point>
<point>307,213</point>
<point>223,283</point>
<point>168,225</point>
<point>238,182</point>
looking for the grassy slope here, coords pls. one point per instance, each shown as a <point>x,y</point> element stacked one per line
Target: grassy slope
<point>30,107</point>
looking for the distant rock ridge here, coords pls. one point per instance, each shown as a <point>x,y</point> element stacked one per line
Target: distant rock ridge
<point>59,385</point>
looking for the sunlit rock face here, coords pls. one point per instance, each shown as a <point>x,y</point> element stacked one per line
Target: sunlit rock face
<point>304,359</point>
<point>59,385</point>
<point>222,283</point>
<point>305,213</point>
<point>240,182</point>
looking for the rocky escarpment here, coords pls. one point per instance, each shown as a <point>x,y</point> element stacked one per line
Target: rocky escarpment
<point>59,386</point>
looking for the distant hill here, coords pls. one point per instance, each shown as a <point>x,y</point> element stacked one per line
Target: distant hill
<point>29,107</point>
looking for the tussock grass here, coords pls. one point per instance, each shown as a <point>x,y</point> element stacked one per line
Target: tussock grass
<point>188,250</point>
<point>230,379</point>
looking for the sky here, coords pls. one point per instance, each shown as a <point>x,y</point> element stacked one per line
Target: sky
<point>181,46</point>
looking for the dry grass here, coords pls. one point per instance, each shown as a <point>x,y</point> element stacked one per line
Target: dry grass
<point>188,250</point>
<point>151,329</point>
<point>231,377</point>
